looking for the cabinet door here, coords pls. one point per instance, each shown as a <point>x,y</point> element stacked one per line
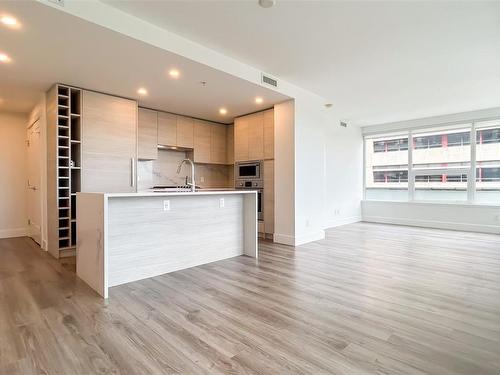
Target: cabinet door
<point>269,196</point>
<point>269,134</point>
<point>167,129</point>
<point>202,130</point>
<point>218,144</point>
<point>185,132</point>
<point>109,143</point>
<point>147,134</point>
<point>230,144</point>
<point>241,139</point>
<point>256,136</point>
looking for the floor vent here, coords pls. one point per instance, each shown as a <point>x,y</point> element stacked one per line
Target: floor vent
<point>269,80</point>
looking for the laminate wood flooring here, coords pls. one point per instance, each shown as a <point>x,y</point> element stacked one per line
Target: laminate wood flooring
<point>369,299</point>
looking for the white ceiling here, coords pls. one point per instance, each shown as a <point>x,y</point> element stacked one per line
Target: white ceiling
<point>52,46</point>
<point>375,61</point>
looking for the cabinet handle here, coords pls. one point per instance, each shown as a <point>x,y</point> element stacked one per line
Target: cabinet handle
<point>132,172</point>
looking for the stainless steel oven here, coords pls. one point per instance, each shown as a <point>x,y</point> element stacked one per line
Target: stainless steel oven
<point>257,185</point>
<point>248,170</point>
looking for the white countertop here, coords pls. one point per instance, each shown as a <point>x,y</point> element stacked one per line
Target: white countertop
<point>174,193</point>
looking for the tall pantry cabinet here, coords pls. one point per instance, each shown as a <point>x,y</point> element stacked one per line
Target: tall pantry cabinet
<point>91,147</point>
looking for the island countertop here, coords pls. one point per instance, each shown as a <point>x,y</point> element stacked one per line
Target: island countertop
<point>124,237</point>
<point>175,193</point>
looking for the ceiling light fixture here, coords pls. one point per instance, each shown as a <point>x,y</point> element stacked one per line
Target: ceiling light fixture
<point>267,3</point>
<point>174,73</point>
<point>9,21</point>
<point>259,100</point>
<point>142,91</point>
<point>223,111</point>
<point>4,58</point>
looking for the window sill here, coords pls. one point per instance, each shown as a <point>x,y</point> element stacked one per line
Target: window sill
<point>437,203</point>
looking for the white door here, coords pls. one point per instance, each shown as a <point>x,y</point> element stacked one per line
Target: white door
<point>34,173</point>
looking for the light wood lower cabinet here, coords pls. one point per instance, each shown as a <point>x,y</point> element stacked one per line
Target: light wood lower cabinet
<point>147,134</point>
<point>269,196</point>
<point>109,142</point>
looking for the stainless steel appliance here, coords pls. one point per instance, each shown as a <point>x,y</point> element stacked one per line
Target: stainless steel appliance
<point>248,170</point>
<point>257,185</point>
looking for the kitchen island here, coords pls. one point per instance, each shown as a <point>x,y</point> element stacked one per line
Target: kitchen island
<point>124,237</point>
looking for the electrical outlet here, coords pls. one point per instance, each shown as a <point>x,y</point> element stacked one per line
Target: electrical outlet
<point>307,223</point>
<point>496,217</point>
<point>202,179</point>
<point>166,205</point>
<point>221,203</point>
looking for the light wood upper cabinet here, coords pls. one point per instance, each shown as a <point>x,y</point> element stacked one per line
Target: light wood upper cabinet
<point>185,132</point>
<point>202,141</point>
<point>218,145</point>
<point>256,136</point>
<point>109,143</point>
<point>147,134</point>
<point>230,144</point>
<point>241,139</point>
<point>269,134</point>
<point>167,129</point>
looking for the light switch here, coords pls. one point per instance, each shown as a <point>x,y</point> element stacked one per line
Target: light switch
<point>221,203</point>
<point>166,205</point>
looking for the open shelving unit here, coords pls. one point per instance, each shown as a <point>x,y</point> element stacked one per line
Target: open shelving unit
<point>64,104</point>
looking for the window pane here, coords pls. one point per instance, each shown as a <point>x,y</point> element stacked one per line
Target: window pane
<point>440,156</point>
<point>386,167</point>
<point>488,162</point>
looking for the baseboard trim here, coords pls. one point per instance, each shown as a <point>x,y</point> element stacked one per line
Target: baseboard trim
<point>468,227</point>
<point>344,221</point>
<point>14,232</point>
<point>286,239</point>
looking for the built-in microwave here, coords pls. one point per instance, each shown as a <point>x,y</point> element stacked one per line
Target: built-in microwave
<point>248,170</point>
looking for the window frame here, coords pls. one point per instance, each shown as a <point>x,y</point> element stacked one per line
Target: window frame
<point>470,171</point>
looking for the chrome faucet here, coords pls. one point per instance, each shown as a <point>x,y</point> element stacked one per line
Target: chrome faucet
<point>192,183</point>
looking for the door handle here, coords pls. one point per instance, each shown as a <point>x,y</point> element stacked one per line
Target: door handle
<point>132,172</point>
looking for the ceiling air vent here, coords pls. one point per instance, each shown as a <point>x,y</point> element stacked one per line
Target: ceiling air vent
<point>269,80</point>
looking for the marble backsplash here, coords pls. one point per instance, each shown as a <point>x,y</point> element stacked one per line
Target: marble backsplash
<point>163,171</point>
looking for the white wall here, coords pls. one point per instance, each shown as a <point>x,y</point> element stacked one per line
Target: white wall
<point>434,215</point>
<point>13,212</point>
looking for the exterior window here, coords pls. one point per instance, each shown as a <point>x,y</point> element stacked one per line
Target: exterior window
<point>441,168</point>
<point>488,162</point>
<point>386,168</point>
<point>488,136</point>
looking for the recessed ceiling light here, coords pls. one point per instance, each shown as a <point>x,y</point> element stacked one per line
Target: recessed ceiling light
<point>267,3</point>
<point>9,21</point>
<point>259,100</point>
<point>142,91</point>
<point>174,73</point>
<point>4,58</point>
<point>223,111</point>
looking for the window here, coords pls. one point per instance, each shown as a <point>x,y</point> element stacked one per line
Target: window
<point>441,168</point>
<point>438,167</point>
<point>488,162</point>
<point>386,167</point>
